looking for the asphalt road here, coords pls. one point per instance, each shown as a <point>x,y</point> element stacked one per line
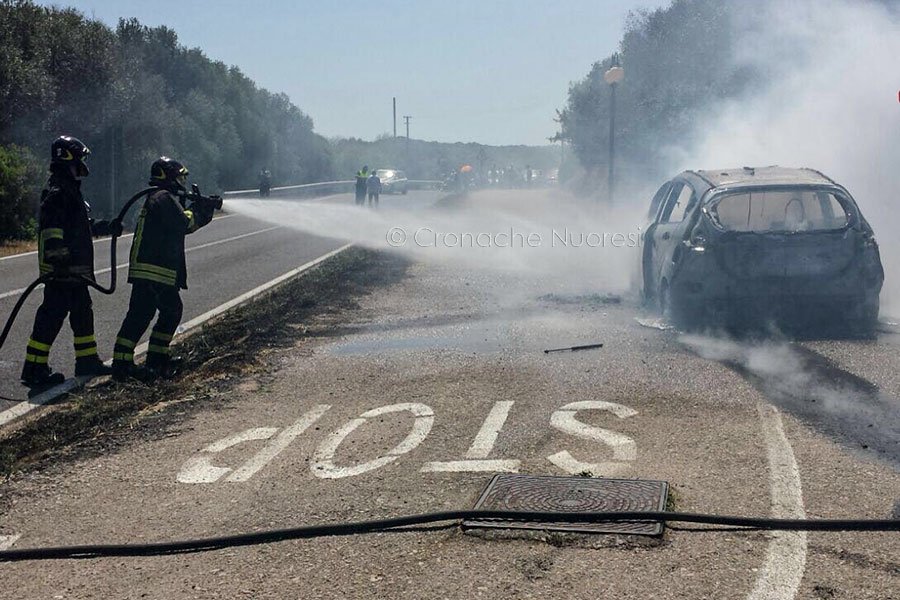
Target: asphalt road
<point>413,400</point>
<point>230,256</point>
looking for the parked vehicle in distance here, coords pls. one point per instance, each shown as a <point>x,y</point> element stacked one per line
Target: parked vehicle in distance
<point>393,181</point>
<point>757,246</point>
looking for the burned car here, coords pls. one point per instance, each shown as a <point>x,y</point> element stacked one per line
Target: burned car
<point>754,246</point>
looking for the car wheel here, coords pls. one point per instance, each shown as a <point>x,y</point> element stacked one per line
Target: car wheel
<point>404,191</point>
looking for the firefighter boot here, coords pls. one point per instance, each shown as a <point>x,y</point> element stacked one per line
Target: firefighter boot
<point>91,365</point>
<point>37,375</point>
<point>123,370</point>
<point>163,365</point>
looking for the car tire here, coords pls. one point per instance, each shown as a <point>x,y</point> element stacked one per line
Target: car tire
<point>404,191</point>
<point>664,301</point>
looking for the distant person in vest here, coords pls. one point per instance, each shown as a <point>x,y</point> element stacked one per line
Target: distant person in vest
<point>373,187</point>
<point>362,177</point>
<point>265,183</point>
<point>157,271</point>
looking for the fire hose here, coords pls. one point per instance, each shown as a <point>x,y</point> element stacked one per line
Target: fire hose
<point>194,196</point>
<point>397,523</point>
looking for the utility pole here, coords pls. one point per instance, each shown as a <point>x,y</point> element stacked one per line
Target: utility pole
<point>395,116</point>
<point>613,76</point>
<point>407,118</point>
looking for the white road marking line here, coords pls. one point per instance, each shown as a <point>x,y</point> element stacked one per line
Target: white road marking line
<point>781,574</point>
<point>277,445</point>
<point>96,241</point>
<point>6,541</point>
<point>487,435</point>
<point>28,405</point>
<point>623,447</point>
<point>191,249</point>
<point>498,465</point>
<point>199,468</point>
<point>235,302</point>
<point>481,448</point>
<point>323,465</point>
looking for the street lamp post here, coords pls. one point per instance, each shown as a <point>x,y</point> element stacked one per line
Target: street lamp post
<point>613,76</point>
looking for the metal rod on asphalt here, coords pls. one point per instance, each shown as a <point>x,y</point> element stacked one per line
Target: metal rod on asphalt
<point>574,348</point>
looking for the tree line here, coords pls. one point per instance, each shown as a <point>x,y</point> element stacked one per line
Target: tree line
<point>131,94</point>
<point>679,62</point>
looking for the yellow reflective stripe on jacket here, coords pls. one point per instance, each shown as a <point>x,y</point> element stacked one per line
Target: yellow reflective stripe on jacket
<point>154,269</point>
<point>165,337</point>
<point>138,236</point>
<point>52,233</point>
<point>123,356</point>
<point>86,352</point>
<point>33,358</point>
<point>158,349</point>
<point>84,339</point>
<point>140,274</point>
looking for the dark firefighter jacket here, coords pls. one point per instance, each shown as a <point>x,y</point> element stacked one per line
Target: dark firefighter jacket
<point>157,252</point>
<point>65,229</point>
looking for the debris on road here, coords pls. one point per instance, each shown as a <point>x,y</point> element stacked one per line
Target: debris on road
<point>574,348</point>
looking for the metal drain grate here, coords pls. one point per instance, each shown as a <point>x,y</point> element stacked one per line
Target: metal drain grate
<point>572,494</point>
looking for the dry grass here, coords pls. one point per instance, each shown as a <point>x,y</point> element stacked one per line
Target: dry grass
<point>104,415</point>
<point>17,247</point>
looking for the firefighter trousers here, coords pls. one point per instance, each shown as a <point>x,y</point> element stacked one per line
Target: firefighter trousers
<point>60,300</point>
<point>148,297</point>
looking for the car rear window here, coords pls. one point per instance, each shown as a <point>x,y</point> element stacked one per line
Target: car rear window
<point>779,210</point>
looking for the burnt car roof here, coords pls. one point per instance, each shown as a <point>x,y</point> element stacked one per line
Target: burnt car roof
<point>753,176</point>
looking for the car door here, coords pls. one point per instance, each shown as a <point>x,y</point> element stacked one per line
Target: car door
<point>668,231</point>
<point>648,282</point>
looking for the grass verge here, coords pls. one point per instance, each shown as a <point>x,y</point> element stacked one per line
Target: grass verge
<point>238,344</point>
<point>17,247</point>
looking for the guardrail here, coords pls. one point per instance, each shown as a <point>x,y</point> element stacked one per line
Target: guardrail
<point>323,188</point>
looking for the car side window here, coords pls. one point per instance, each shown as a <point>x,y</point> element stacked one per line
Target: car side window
<point>680,199</point>
<point>658,197</point>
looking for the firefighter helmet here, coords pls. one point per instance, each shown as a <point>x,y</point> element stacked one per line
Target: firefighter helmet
<point>167,172</point>
<point>68,151</point>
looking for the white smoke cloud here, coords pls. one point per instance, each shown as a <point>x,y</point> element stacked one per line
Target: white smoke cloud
<point>830,103</point>
<point>545,240</point>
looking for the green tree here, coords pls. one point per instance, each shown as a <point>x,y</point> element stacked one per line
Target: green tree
<point>19,182</point>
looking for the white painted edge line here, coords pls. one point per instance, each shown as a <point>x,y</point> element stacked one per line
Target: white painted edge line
<point>19,291</point>
<point>27,406</point>
<point>6,541</point>
<point>96,241</point>
<point>781,573</point>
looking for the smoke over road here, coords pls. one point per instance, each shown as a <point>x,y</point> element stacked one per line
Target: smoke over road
<point>544,238</point>
<point>809,386</point>
<point>830,103</point>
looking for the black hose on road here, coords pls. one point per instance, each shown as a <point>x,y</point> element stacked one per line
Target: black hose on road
<point>361,527</point>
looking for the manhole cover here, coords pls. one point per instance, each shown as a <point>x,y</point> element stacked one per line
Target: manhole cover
<point>572,494</point>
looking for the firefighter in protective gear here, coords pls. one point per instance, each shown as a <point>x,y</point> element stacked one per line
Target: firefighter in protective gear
<point>157,270</point>
<point>66,255</point>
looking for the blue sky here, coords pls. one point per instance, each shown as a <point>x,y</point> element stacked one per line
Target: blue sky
<point>483,71</point>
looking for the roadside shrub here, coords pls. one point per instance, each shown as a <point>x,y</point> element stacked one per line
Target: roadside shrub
<point>20,180</point>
